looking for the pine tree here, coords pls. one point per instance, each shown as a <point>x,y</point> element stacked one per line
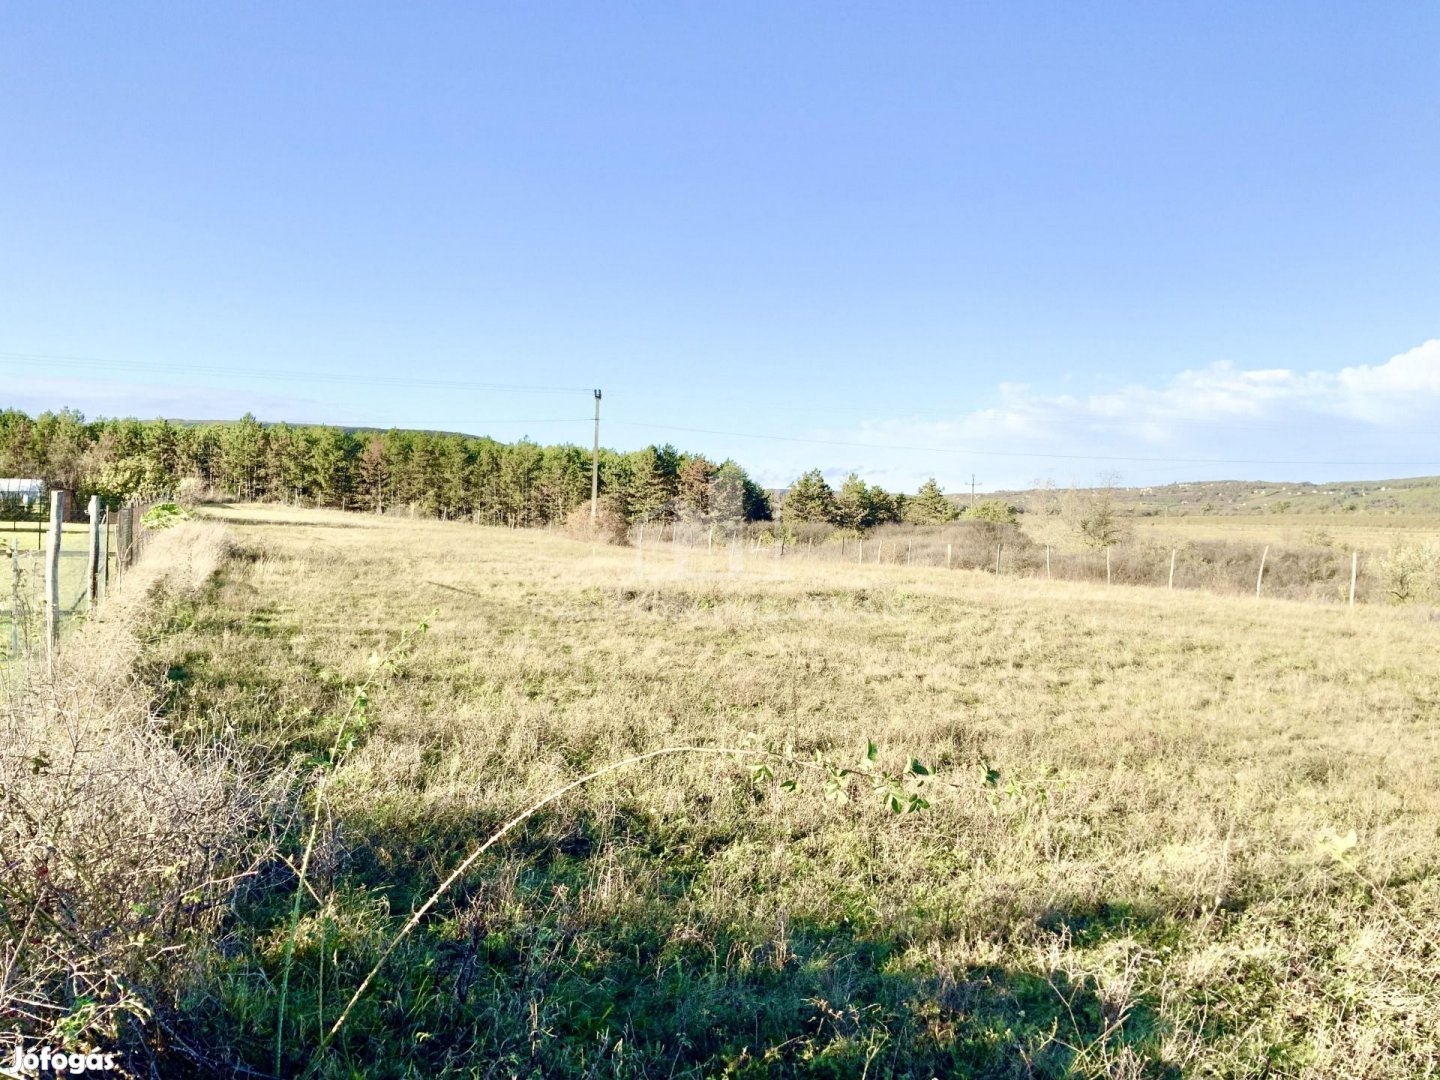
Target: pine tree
<point>693,484</point>
<point>851,508</point>
<point>930,506</point>
<point>810,498</point>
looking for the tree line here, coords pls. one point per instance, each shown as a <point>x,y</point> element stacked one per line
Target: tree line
<point>858,506</point>
<point>433,474</point>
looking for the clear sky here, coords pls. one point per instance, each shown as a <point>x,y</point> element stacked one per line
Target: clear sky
<point>1027,240</point>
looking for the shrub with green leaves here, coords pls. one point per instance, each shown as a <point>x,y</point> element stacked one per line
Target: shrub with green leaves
<point>164,515</point>
<point>1412,573</point>
<point>996,510</point>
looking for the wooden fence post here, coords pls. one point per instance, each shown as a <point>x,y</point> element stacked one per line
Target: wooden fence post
<point>52,574</point>
<point>1047,562</point>
<point>998,548</point>
<point>908,545</point>
<point>861,546</point>
<point>120,547</point>
<point>1172,568</point>
<point>1354,567</point>
<point>1260,577</point>
<point>1107,564</point>
<point>949,552</point>
<point>92,564</point>
<point>710,542</point>
<point>105,553</point>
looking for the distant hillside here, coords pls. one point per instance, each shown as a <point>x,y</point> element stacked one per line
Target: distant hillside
<point>1416,495</point>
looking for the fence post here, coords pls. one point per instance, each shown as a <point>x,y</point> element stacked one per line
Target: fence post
<point>52,574</point>
<point>908,545</point>
<point>92,563</point>
<point>1172,568</point>
<point>1107,564</point>
<point>861,548</point>
<point>1260,577</point>
<point>949,551</point>
<point>998,548</point>
<point>105,552</point>
<point>123,529</point>
<point>1047,562</point>
<point>710,541</point>
<point>1354,566</point>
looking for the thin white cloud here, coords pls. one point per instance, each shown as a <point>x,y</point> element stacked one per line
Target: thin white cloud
<point>1217,413</point>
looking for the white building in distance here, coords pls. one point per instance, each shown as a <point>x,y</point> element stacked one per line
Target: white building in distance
<point>22,490</point>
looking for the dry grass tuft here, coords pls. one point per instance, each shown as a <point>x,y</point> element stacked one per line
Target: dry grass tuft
<point>608,526</point>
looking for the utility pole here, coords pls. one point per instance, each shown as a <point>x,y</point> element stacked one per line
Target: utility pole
<point>972,491</point>
<point>595,466</point>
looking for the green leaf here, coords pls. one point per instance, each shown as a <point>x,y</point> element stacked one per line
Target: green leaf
<point>917,768</point>
<point>787,785</point>
<point>872,752</point>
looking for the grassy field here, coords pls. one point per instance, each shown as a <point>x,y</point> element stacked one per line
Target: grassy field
<point>1189,834</point>
<point>32,539</point>
<point>1357,532</point>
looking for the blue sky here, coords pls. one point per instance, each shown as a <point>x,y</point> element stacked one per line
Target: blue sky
<point>1165,241</point>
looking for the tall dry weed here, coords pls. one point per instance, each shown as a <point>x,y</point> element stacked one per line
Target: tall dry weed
<point>119,850</point>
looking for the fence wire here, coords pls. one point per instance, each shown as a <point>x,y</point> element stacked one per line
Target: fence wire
<point>24,549</point>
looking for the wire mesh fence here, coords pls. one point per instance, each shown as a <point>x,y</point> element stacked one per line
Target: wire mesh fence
<point>90,557</point>
<point>1310,572</point>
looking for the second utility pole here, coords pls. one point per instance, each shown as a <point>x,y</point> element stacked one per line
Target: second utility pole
<point>595,465</point>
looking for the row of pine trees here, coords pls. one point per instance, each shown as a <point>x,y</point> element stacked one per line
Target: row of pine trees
<point>432,474</point>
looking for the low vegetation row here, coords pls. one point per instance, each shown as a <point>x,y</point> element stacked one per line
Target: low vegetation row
<point>429,475</point>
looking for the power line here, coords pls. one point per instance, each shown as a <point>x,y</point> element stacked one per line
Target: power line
<point>1017,453</point>
<point>90,362</point>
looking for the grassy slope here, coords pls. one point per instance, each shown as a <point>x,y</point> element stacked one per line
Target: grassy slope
<point>1166,907</point>
<point>1409,495</point>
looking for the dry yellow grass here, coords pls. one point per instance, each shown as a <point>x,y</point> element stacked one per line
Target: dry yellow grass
<point>1361,532</point>
<point>1151,886</point>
